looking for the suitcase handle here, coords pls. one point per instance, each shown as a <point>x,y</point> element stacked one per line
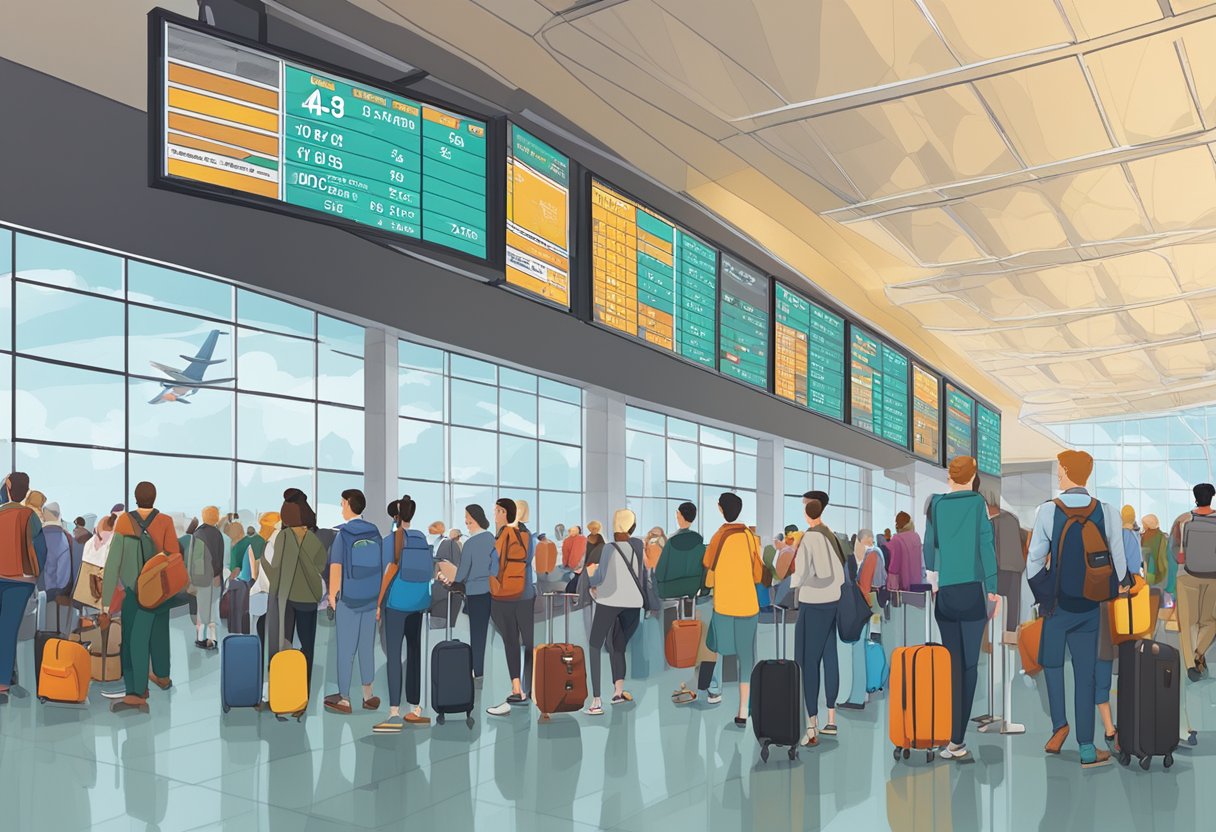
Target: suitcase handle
<point>565,596</point>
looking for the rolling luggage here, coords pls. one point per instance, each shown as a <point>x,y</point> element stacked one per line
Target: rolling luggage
<point>451,675</point>
<point>65,672</point>
<point>920,704</point>
<point>288,684</point>
<point>776,699</point>
<point>234,607</point>
<point>1150,699</point>
<point>877,670</point>
<point>240,672</point>
<point>683,638</point>
<point>559,682</point>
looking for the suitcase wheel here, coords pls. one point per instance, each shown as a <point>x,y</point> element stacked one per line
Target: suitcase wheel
<point>896,754</point>
<point>439,720</point>
<point>468,720</point>
<point>42,699</point>
<point>793,753</point>
<point>226,709</point>
<point>1145,762</point>
<point>1124,758</point>
<point>928,756</point>
<point>764,752</point>
<point>907,753</point>
<point>1169,760</point>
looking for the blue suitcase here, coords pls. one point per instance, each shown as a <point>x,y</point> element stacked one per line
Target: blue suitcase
<point>877,669</point>
<point>241,672</point>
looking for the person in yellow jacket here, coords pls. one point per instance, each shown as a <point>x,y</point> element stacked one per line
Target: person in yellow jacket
<point>732,558</point>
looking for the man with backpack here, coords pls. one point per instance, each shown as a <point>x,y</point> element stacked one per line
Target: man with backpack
<point>1075,563</point>
<point>356,567</point>
<point>1196,583</point>
<point>139,537</point>
<point>62,565</point>
<point>22,559</point>
<point>205,563</point>
<point>512,594</point>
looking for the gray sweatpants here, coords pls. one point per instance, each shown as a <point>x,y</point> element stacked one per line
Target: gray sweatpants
<point>208,598</point>
<point>356,635</point>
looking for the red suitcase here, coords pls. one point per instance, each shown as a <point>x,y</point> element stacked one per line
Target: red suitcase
<point>559,675</point>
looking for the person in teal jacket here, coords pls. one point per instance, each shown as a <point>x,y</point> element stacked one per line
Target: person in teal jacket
<point>960,558</point>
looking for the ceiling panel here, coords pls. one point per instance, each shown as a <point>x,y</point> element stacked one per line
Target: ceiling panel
<point>979,30</point>
<point>1144,89</point>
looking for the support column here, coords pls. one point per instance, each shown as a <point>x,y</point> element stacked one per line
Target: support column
<point>380,421</point>
<point>603,455</point>
<point>770,487</point>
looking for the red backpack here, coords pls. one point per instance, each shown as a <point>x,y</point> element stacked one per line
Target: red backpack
<point>512,577</point>
<point>17,556</point>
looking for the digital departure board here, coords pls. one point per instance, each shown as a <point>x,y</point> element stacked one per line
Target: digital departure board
<point>809,358</point>
<point>926,414</point>
<point>538,218</point>
<point>879,381</point>
<point>743,344</point>
<point>650,278</point>
<point>254,124</point>
<point>987,440</point>
<point>959,421</point>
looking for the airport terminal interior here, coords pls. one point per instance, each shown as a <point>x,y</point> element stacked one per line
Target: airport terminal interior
<point>369,369</point>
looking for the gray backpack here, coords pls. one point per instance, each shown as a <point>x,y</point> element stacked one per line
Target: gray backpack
<point>1199,545</point>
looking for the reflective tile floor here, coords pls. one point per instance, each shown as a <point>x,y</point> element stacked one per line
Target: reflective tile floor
<point>646,766</point>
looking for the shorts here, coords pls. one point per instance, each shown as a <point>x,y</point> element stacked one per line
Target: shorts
<point>731,635</point>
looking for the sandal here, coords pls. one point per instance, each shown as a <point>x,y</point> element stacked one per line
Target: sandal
<point>828,730</point>
<point>811,739</point>
<point>622,697</point>
<point>594,710</point>
<point>683,696</point>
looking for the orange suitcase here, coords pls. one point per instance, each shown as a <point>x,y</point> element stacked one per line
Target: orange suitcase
<point>920,700</point>
<point>66,672</point>
<point>546,556</point>
<point>682,642</point>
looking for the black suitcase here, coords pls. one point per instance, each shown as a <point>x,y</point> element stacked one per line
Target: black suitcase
<point>776,699</point>
<point>451,676</point>
<point>1150,699</point>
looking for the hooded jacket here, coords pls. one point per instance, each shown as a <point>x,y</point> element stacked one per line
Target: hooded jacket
<point>959,542</point>
<point>680,573</point>
<point>907,565</point>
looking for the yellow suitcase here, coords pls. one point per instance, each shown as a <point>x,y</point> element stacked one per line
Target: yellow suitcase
<point>1132,616</point>
<point>288,684</point>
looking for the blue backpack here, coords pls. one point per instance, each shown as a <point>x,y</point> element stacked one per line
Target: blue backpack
<point>410,590</point>
<point>361,573</point>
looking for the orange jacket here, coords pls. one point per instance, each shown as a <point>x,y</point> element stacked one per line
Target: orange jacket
<point>161,531</point>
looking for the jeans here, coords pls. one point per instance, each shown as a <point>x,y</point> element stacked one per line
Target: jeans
<point>627,620</point>
<point>145,639</point>
<point>1104,676</point>
<point>478,608</point>
<point>404,626</point>
<point>815,643</point>
<point>356,636</point>
<point>1079,632</point>
<point>962,613</point>
<point>515,623</point>
<point>14,597</point>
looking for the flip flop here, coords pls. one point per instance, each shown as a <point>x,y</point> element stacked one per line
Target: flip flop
<point>683,697</point>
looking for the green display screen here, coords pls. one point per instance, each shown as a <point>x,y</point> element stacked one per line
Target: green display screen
<point>743,335</point>
<point>880,388</point>
<point>987,440</point>
<point>959,423</point>
<point>250,122</point>
<point>809,354</point>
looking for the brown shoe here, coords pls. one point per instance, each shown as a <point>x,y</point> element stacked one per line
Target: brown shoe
<point>337,706</point>
<point>130,702</point>
<point>1102,758</point>
<point>372,704</point>
<point>1056,743</point>
<point>163,684</point>
<point>416,719</point>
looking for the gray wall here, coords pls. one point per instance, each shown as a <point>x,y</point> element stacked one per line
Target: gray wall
<point>74,163</point>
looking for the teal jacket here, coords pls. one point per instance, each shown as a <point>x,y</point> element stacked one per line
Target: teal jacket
<point>959,541</point>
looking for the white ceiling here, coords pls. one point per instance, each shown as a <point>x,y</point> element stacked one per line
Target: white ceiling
<point>1024,192</point>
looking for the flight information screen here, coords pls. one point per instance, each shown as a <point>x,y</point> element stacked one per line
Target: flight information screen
<point>809,354</point>
<point>987,440</point>
<point>650,278</point>
<point>538,218</point>
<point>880,388</point>
<point>743,346</point>
<point>959,423</point>
<point>252,123</point>
<point>926,414</point>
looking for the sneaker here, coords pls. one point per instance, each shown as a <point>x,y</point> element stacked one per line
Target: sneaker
<point>517,699</point>
<point>499,710</point>
<point>955,752</point>
<point>114,694</point>
<point>392,725</point>
<point>829,730</point>
<point>713,698</point>
<point>1094,758</point>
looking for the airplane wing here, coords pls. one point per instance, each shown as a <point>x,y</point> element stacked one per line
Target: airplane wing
<point>198,365</point>
<point>175,375</point>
